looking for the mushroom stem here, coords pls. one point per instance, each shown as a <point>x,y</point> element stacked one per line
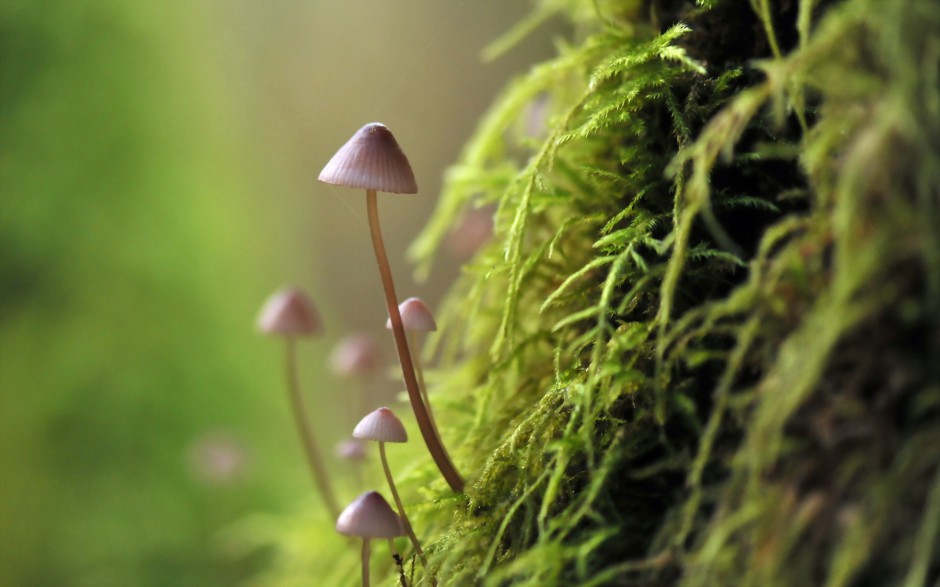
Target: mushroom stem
<point>314,460</point>
<point>401,508</point>
<point>419,371</point>
<point>366,551</point>
<point>431,439</point>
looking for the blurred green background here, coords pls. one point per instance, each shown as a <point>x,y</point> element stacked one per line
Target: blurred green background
<point>157,182</point>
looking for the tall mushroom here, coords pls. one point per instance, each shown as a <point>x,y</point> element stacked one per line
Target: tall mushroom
<point>290,314</point>
<point>417,317</point>
<point>383,426</point>
<point>373,161</point>
<point>368,517</point>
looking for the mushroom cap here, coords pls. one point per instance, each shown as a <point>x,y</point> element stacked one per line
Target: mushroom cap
<point>370,516</point>
<point>472,231</point>
<point>371,160</point>
<point>415,315</point>
<point>289,312</point>
<point>382,425</point>
<point>357,354</point>
<point>351,449</point>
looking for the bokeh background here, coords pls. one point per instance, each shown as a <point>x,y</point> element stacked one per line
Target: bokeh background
<point>157,181</point>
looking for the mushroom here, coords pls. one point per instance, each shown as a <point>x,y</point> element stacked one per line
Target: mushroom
<point>383,426</point>
<point>473,230</point>
<point>417,317</point>
<point>357,356</point>
<point>290,314</point>
<point>353,451</point>
<point>373,161</point>
<point>368,517</point>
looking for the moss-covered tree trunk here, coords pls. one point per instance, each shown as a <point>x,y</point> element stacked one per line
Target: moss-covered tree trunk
<point>703,347</point>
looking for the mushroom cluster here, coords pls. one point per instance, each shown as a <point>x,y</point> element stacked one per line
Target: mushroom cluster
<point>368,517</point>
<point>383,426</point>
<point>373,161</point>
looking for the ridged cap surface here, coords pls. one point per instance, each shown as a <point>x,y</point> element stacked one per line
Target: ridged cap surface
<point>369,516</point>
<point>371,160</point>
<point>289,312</point>
<point>382,425</point>
<point>415,315</point>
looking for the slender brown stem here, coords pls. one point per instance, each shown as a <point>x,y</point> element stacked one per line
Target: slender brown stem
<point>433,442</point>
<point>401,512</point>
<point>314,460</point>
<point>416,354</point>
<point>366,551</point>
<point>401,508</point>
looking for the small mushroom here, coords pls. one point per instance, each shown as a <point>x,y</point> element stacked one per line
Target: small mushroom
<point>417,317</point>
<point>357,356</point>
<point>290,314</point>
<point>373,161</point>
<point>353,451</point>
<point>369,517</point>
<point>383,426</point>
<point>473,230</point>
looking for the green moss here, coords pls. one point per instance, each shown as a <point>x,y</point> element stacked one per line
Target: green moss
<point>702,347</point>
<point>702,372</point>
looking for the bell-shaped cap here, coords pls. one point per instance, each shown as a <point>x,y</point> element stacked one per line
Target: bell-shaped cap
<point>382,425</point>
<point>415,315</point>
<point>289,312</point>
<point>371,160</point>
<point>357,354</point>
<point>370,516</point>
